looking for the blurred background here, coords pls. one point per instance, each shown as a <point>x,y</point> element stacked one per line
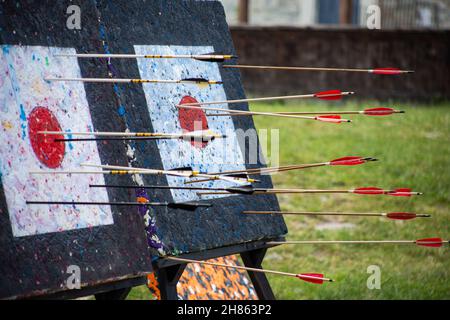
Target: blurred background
<point>413,34</point>
<point>413,148</point>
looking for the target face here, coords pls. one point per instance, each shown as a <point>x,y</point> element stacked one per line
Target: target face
<point>214,156</point>
<point>29,104</point>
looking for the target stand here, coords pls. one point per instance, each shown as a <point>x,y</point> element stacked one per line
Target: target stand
<point>252,253</point>
<point>113,247</point>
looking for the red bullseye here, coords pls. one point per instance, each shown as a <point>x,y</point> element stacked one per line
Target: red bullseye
<point>192,120</point>
<point>49,152</point>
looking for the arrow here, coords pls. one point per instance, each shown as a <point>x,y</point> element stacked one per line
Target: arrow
<point>183,172</point>
<point>367,112</point>
<point>379,71</point>
<point>324,95</point>
<point>345,161</point>
<point>209,57</point>
<point>325,118</point>
<point>201,134</point>
<point>191,205</point>
<point>177,173</point>
<point>428,242</point>
<point>316,278</point>
<point>403,192</point>
<point>197,81</point>
<point>391,215</point>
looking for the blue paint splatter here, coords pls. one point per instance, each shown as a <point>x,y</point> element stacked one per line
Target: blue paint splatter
<point>70,136</point>
<point>5,49</point>
<point>23,120</point>
<point>121,110</point>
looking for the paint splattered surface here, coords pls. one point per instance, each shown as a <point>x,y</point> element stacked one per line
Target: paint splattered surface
<point>118,251</point>
<point>215,156</point>
<point>206,282</point>
<point>37,264</point>
<point>155,30</point>
<point>29,105</point>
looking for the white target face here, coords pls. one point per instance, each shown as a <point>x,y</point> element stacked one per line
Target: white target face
<point>162,98</point>
<point>29,104</point>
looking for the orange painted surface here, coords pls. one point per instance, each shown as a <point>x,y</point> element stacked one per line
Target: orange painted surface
<point>205,282</point>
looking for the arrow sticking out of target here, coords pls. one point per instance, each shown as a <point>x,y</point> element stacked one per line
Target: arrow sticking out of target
<point>324,118</point>
<point>316,278</point>
<point>390,215</point>
<point>249,190</point>
<point>188,173</point>
<point>427,242</point>
<point>401,192</point>
<point>204,135</point>
<point>198,81</point>
<point>208,57</point>
<point>191,205</point>
<point>379,71</point>
<point>345,161</point>
<point>324,95</point>
<point>182,172</point>
<point>368,112</point>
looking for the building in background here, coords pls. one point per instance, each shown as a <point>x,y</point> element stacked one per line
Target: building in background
<point>408,14</point>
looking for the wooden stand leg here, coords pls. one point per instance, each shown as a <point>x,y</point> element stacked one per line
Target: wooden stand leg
<point>167,279</point>
<point>253,259</point>
<point>119,294</point>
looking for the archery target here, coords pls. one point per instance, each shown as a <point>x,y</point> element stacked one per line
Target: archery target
<point>29,104</point>
<point>214,156</point>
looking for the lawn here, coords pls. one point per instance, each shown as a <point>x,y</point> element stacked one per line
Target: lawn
<point>414,151</point>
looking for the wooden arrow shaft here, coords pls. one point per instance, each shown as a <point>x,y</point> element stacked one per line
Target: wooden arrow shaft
<point>232,266</point>
<point>259,171</point>
<point>233,114</point>
<point>242,66</point>
<point>147,56</point>
<point>289,97</point>
<point>99,203</point>
<point>118,172</point>
<point>129,134</point>
<point>119,80</point>
<point>180,173</point>
<point>309,213</point>
<point>278,191</point>
<point>272,169</point>
<point>299,96</point>
<point>246,112</point>
<point>344,242</point>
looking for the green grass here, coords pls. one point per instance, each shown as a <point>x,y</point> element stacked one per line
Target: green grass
<point>414,150</point>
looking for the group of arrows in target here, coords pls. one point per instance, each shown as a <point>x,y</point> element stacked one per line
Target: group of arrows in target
<point>240,177</point>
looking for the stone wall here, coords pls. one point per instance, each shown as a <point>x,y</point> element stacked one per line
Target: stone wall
<point>426,52</point>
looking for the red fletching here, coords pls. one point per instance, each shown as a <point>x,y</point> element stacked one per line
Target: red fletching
<point>379,111</point>
<point>369,190</point>
<point>430,242</point>
<point>311,277</point>
<point>387,71</point>
<point>329,95</point>
<point>401,215</point>
<point>347,161</point>
<point>330,118</point>
<point>401,192</point>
